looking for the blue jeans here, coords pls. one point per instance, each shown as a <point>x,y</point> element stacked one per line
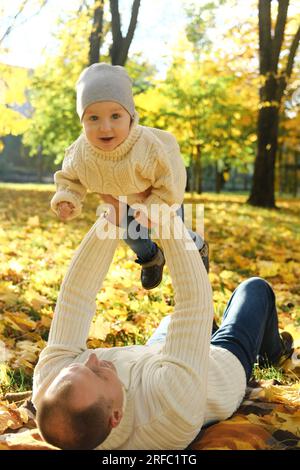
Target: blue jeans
<point>143,246</point>
<point>249,326</point>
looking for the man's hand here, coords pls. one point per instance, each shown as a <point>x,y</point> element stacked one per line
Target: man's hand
<point>144,194</point>
<point>117,215</point>
<point>114,216</point>
<point>140,217</point>
<point>65,210</point>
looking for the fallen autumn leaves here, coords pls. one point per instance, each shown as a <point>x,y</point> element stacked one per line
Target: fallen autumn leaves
<point>36,249</point>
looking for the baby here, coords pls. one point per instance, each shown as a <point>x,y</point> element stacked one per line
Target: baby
<point>116,156</point>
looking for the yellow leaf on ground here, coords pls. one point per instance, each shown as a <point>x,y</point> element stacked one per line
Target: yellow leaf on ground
<point>26,440</point>
<point>236,434</point>
<point>288,394</point>
<point>11,417</point>
<point>36,300</point>
<point>20,319</point>
<point>8,293</point>
<point>33,221</point>
<point>268,268</point>
<point>99,328</point>
<point>15,266</point>
<point>4,378</point>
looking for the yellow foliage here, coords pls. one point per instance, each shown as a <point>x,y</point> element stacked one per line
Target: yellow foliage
<point>14,82</point>
<point>234,434</point>
<point>99,328</point>
<point>19,321</point>
<point>33,261</point>
<point>286,394</point>
<point>4,379</point>
<point>268,268</point>
<point>8,293</point>
<point>11,417</point>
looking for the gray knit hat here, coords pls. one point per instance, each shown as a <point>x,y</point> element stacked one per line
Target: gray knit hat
<point>104,82</point>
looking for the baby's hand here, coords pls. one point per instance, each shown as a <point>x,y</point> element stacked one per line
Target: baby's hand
<point>65,210</point>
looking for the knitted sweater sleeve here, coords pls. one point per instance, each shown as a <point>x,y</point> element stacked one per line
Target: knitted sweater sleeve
<point>76,303</point>
<point>68,186</point>
<point>179,379</point>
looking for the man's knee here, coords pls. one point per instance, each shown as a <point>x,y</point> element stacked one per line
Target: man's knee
<point>258,286</point>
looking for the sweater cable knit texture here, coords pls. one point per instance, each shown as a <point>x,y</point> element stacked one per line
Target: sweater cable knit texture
<point>147,157</point>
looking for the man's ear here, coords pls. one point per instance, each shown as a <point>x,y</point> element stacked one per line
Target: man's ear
<point>115,418</point>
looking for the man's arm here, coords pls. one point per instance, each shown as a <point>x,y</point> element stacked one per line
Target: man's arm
<point>193,312</point>
<point>179,383</point>
<point>76,302</point>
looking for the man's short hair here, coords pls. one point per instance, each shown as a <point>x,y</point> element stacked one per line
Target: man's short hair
<point>67,428</point>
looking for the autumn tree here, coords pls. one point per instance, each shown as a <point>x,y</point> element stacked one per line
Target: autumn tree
<point>54,123</point>
<point>119,48</point>
<point>274,83</point>
<point>223,142</point>
<point>79,36</point>
<point>96,36</point>
<point>14,81</point>
<point>206,100</point>
<point>288,161</point>
<point>207,108</point>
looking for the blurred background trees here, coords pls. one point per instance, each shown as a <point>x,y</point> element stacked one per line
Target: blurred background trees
<point>230,93</point>
<point>277,52</point>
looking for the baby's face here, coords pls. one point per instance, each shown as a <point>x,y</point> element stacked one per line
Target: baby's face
<point>106,124</point>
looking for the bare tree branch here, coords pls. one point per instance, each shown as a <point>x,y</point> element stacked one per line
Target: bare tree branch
<point>116,20</point>
<point>120,46</point>
<point>133,19</point>
<point>82,5</point>
<point>96,33</point>
<point>13,24</point>
<point>10,27</point>
<point>292,54</point>
<point>265,38</point>
<point>279,32</point>
<point>290,63</point>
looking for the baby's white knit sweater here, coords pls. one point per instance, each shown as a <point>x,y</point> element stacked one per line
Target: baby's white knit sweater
<point>147,157</point>
<point>171,389</point>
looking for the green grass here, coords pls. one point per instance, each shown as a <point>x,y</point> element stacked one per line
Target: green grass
<point>17,380</point>
<point>270,373</point>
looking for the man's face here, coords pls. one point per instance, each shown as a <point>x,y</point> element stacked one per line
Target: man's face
<point>90,380</point>
<point>106,124</point>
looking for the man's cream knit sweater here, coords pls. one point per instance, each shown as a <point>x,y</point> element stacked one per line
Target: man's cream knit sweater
<point>170,389</point>
<point>148,157</point>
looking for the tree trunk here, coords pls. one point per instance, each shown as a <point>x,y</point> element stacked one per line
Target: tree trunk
<point>296,165</point>
<point>280,169</point>
<point>193,171</point>
<point>263,193</point>
<point>286,179</point>
<point>96,33</point>
<point>218,179</point>
<point>233,179</point>
<point>199,170</point>
<point>40,166</point>
<point>120,46</point>
<point>271,93</point>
